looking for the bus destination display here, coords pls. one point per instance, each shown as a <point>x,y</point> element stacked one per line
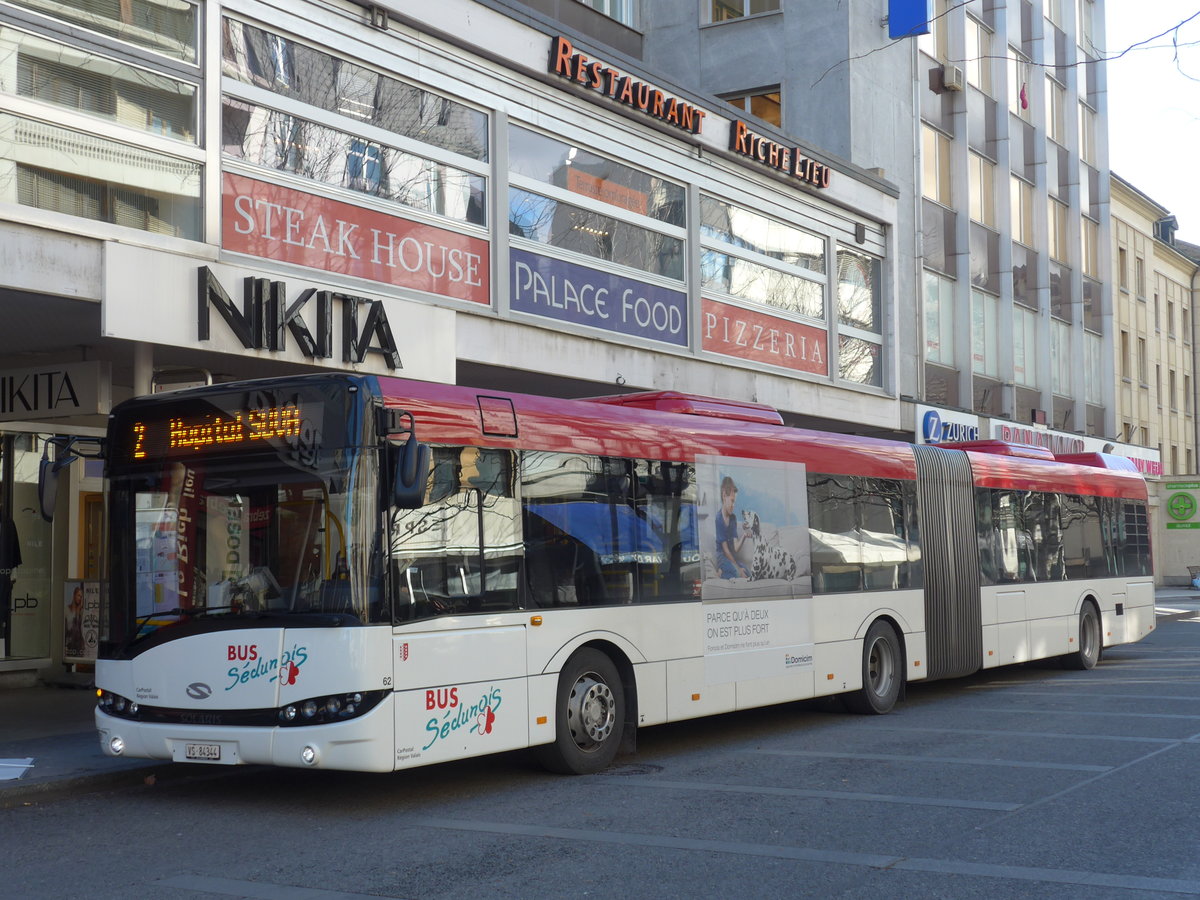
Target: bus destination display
<point>188,435</point>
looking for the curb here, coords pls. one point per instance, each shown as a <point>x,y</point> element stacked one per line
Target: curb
<point>150,774</point>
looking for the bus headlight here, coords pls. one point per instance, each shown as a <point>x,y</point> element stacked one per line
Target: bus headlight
<point>309,755</point>
<point>330,708</point>
<point>116,746</point>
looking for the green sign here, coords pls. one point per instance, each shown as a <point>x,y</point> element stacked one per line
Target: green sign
<point>1181,506</point>
<point>1171,525</point>
<point>1183,486</point>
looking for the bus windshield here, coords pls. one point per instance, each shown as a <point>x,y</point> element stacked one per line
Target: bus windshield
<point>239,538</point>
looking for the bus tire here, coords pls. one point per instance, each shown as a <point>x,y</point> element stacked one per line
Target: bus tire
<point>1088,640</point>
<point>589,716</point>
<point>882,672</point>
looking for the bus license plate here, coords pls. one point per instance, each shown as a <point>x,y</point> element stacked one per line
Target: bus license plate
<point>203,752</point>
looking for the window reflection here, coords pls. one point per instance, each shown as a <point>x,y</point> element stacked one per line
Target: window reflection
<point>752,231</point>
<point>108,181</point>
<point>277,140</point>
<point>760,284</point>
<point>286,67</point>
<point>586,231</point>
<point>583,172</point>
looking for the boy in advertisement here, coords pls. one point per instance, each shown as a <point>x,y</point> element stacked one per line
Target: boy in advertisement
<point>729,542</point>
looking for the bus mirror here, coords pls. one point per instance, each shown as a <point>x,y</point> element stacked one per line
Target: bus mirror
<point>48,470</point>
<point>67,450</point>
<point>410,474</point>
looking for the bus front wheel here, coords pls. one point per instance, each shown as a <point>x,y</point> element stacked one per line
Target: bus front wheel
<point>882,671</point>
<point>589,716</point>
<point>1089,642</point>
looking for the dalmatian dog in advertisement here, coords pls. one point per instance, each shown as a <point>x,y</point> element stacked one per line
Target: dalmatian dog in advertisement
<point>769,560</point>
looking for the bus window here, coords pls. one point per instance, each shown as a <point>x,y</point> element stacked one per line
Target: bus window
<point>835,542</point>
<point>668,569</point>
<point>1134,553</point>
<point>1008,522</point>
<point>882,526</point>
<point>459,552</point>
<point>583,533</point>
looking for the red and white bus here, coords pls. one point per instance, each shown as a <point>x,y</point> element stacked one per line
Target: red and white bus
<point>373,574</point>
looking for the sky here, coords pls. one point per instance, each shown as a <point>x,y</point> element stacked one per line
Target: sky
<point>1154,105</point>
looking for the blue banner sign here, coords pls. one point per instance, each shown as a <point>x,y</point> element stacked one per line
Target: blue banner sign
<point>937,431</point>
<point>908,18</point>
<point>583,296</point>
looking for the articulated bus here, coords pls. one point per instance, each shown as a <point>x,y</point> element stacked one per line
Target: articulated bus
<point>367,573</point>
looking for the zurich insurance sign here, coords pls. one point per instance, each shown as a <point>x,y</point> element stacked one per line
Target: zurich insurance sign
<point>939,427</point>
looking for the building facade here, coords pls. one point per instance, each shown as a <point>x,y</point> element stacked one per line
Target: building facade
<point>1154,349</point>
<point>992,122</point>
<point>461,192</point>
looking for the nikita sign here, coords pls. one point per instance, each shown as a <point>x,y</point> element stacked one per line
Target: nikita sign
<point>232,309</point>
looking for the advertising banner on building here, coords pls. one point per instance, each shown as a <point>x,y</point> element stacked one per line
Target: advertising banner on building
<point>747,334</point>
<point>82,388</point>
<point>179,301</point>
<point>288,225</point>
<point>555,289</point>
<point>81,621</point>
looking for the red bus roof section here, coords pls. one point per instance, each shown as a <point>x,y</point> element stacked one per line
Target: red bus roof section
<point>607,426</point>
<point>672,426</point>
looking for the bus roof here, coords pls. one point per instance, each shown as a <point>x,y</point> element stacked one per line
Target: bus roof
<point>658,425</point>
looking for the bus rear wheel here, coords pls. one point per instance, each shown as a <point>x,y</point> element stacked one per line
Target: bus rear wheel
<point>881,673</point>
<point>1089,642</point>
<point>589,716</point>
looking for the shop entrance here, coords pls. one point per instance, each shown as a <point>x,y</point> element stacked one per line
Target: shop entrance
<point>26,554</point>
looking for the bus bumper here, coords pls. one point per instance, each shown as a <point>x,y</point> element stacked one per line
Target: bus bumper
<point>363,744</point>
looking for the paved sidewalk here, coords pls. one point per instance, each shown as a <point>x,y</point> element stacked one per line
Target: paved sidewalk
<point>49,746</point>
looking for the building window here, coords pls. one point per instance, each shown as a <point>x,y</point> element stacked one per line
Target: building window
<point>724,10</point>
<point>1020,85</point>
<point>860,343</point>
<point>934,43</point>
<point>1022,211</point>
<point>983,190</point>
<point>363,167</point>
<point>1093,373</point>
<point>979,56</point>
<point>1025,344</point>
<point>759,260</point>
<point>1187,394</point>
<point>253,56</point>
<point>1126,371</point>
<point>161,26</point>
<point>98,86</point>
<point>1171,318</point>
<point>1087,26</point>
<point>1056,236</point>
<point>1061,359</point>
<point>1089,233</point>
<point>623,11</point>
<point>1171,401</point>
<point>1139,276</point>
<point>764,104</point>
<point>1056,96</point>
<point>985,334</point>
<point>1123,268</point>
<point>1141,362</point>
<point>939,319</point>
<point>935,153</point>
<point>1087,134</point>
<point>168,203</point>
